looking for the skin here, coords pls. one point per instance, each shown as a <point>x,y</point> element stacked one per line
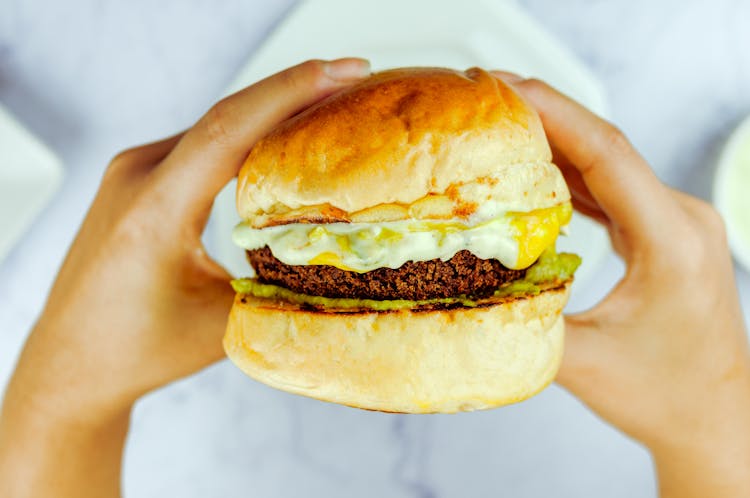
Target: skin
<point>671,369</point>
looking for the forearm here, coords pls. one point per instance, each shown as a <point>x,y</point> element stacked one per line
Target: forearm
<point>685,476</point>
<point>45,454</point>
<point>713,461</point>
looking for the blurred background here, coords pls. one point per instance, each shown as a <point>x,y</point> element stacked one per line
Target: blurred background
<point>83,79</point>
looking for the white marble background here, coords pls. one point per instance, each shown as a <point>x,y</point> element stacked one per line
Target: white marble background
<point>91,77</point>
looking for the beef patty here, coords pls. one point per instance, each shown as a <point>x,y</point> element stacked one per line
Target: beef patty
<point>463,274</point>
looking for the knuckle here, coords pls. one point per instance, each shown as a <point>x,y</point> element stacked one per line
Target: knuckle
<point>123,159</point>
<point>120,165</point>
<point>614,140</point>
<point>534,85</point>
<point>609,143</point>
<point>712,219</point>
<point>304,75</point>
<point>215,122</point>
<point>705,218</point>
<point>312,67</point>
<point>698,241</point>
<point>134,219</point>
<point>130,228</point>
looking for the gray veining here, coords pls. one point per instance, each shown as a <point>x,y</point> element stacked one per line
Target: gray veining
<point>92,77</point>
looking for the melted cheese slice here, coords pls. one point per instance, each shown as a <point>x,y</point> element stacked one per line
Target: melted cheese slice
<point>516,239</point>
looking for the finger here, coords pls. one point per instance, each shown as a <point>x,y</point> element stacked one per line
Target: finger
<point>583,349</point>
<point>155,152</point>
<point>574,179</point>
<point>211,152</point>
<point>594,214</point>
<point>581,198</point>
<point>507,76</point>
<point>144,156</point>
<point>617,177</point>
<point>129,170</point>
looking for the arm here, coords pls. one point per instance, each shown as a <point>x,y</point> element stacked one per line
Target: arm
<point>137,303</point>
<point>665,356</point>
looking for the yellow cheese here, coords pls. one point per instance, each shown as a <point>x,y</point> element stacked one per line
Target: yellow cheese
<point>537,230</point>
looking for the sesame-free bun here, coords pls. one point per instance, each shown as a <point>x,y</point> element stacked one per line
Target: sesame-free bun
<point>438,361</point>
<point>414,143</point>
<point>419,143</point>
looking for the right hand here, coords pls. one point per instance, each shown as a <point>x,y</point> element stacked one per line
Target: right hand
<point>664,357</point>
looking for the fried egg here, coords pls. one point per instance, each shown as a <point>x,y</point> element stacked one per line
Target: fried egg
<point>516,239</point>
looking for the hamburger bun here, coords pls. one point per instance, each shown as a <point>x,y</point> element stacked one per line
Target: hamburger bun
<point>438,361</point>
<point>460,139</point>
<point>403,145</point>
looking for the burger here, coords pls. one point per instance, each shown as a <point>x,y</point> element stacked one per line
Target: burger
<point>402,236</point>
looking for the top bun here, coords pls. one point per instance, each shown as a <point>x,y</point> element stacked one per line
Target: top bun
<point>423,143</point>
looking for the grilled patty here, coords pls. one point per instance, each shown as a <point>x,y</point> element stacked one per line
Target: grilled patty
<point>463,274</point>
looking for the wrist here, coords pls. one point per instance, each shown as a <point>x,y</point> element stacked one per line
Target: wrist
<point>58,437</point>
<point>710,459</point>
<point>691,473</point>
<point>46,409</point>
<point>43,453</point>
<point>58,382</point>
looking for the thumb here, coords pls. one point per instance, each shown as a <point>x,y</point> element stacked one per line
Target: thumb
<point>586,350</point>
<point>212,151</point>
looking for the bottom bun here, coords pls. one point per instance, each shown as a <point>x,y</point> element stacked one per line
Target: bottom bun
<point>436,361</point>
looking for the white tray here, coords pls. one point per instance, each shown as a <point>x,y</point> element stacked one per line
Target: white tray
<point>491,34</point>
<point>29,174</point>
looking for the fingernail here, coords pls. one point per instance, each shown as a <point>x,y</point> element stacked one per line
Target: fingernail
<point>507,76</point>
<point>350,68</point>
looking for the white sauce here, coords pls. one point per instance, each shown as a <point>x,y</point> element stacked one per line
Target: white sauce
<point>367,246</point>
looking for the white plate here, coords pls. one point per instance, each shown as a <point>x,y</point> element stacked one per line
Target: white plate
<point>392,33</point>
<point>29,174</point>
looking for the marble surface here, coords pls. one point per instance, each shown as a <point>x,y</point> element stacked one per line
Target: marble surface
<point>91,77</point>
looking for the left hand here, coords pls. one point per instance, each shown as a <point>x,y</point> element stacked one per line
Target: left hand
<point>138,303</point>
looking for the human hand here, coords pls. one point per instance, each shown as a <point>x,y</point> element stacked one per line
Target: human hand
<point>138,303</point>
<point>664,357</point>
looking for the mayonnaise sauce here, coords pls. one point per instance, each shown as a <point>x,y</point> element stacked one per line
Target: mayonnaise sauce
<point>515,239</point>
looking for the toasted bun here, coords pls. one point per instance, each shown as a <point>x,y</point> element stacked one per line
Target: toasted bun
<point>420,143</point>
<point>412,362</point>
